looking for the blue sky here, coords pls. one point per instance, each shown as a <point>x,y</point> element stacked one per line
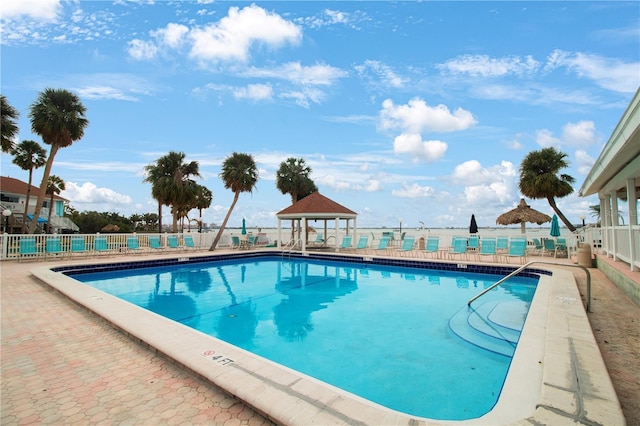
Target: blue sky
<point>420,111</point>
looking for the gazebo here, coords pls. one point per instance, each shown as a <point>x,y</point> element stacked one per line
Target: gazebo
<point>316,207</point>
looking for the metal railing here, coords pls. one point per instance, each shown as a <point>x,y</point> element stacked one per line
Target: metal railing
<point>525,266</point>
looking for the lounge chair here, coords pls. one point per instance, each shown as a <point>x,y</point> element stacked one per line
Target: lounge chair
<point>363,241</point>
<point>53,246</point>
<point>561,246</point>
<point>487,248</point>
<point>155,244</point>
<point>235,242</point>
<point>319,241</point>
<point>346,242</point>
<point>172,241</point>
<point>432,246</point>
<point>79,246</point>
<point>251,241</point>
<point>517,249</point>
<point>537,247</point>
<point>383,244</point>
<point>502,244</point>
<point>407,244</point>
<point>189,243</point>
<point>101,245</point>
<point>459,248</point>
<point>549,247</point>
<point>28,248</point>
<point>473,243</point>
<point>133,245</point>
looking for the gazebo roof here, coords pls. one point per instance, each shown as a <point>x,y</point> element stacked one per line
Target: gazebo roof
<point>316,206</point>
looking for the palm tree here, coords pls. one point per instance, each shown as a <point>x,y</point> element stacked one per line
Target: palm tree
<point>240,174</point>
<point>293,178</point>
<point>8,124</point>
<point>171,184</point>
<point>539,178</point>
<point>29,155</point>
<point>202,201</point>
<point>58,117</point>
<point>55,185</point>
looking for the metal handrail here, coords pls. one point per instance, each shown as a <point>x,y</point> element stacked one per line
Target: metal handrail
<point>523,267</point>
<point>294,244</point>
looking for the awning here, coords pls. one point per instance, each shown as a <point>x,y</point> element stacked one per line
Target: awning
<point>40,219</point>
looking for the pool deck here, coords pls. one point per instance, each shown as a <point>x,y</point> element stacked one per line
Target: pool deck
<point>63,364</point>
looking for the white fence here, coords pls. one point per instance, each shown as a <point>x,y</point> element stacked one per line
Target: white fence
<point>620,242</point>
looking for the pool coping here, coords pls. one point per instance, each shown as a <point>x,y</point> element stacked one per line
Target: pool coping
<point>557,374</point>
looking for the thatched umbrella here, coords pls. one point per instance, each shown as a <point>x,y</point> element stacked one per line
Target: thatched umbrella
<point>110,228</point>
<point>522,214</point>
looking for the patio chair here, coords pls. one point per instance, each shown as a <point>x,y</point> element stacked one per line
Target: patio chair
<point>251,241</point>
<point>28,248</point>
<point>561,246</point>
<point>473,243</point>
<point>407,244</point>
<point>432,246</point>
<point>459,248</point>
<point>79,246</point>
<point>172,241</point>
<point>487,248</point>
<point>383,244</point>
<point>319,241</point>
<point>537,247</point>
<point>517,250</point>
<point>363,241</point>
<point>53,247</point>
<point>502,244</point>
<point>155,244</point>
<point>100,245</point>
<point>346,242</point>
<point>549,247</point>
<point>189,243</point>
<point>235,242</point>
<point>133,245</point>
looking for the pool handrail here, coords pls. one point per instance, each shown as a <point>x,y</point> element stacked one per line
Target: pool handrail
<point>526,265</point>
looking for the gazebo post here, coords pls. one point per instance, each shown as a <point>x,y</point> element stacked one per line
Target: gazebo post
<point>304,234</point>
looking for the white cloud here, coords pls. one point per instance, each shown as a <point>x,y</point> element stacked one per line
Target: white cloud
<point>376,71</point>
<point>104,92</point>
<point>46,10</point>
<point>416,117</point>
<point>485,66</point>
<point>88,194</point>
<point>142,50</point>
<point>609,73</point>
<point>581,134</point>
<point>319,74</point>
<point>413,145</point>
<point>173,35</point>
<point>483,186</point>
<point>233,36</point>
<point>413,191</point>
<point>256,92</point>
<point>545,139</point>
<point>584,162</point>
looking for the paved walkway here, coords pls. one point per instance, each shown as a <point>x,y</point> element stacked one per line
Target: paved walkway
<point>61,364</point>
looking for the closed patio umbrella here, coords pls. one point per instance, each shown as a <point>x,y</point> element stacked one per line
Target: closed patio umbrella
<point>473,226</point>
<point>522,214</point>
<point>244,227</point>
<point>555,227</point>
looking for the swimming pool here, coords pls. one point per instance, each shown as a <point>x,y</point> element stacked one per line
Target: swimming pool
<point>401,337</point>
<point>556,376</point>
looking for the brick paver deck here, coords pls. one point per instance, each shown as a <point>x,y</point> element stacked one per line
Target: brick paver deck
<point>60,364</point>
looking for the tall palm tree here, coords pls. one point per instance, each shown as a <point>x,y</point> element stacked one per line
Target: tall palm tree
<point>29,155</point>
<point>171,184</point>
<point>8,124</point>
<point>240,174</point>
<point>540,178</point>
<point>202,201</point>
<point>55,185</point>
<point>293,178</point>
<point>58,117</point>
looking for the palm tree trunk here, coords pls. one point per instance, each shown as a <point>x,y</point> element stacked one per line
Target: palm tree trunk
<point>216,240</point>
<point>562,217</point>
<point>50,211</point>
<point>43,189</point>
<point>26,204</point>
<point>159,217</point>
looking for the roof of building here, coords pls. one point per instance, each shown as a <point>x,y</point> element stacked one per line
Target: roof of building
<point>318,206</point>
<point>9,185</point>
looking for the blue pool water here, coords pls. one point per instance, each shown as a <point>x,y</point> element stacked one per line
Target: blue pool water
<point>401,337</point>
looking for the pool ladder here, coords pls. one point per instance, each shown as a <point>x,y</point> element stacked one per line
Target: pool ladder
<point>525,266</point>
<point>294,243</point>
